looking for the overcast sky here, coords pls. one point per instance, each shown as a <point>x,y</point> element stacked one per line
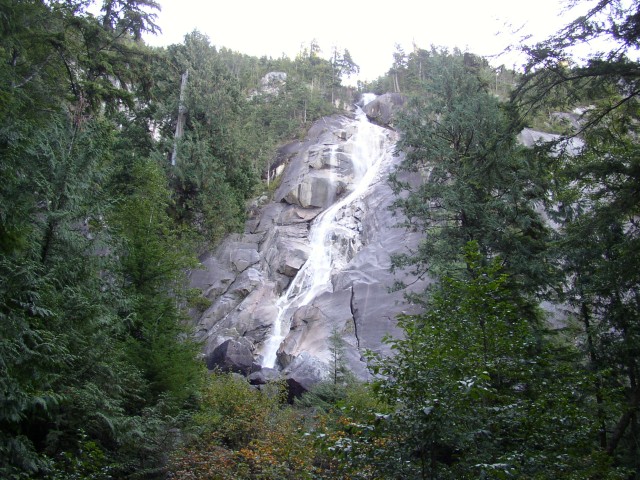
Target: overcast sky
<point>368,29</point>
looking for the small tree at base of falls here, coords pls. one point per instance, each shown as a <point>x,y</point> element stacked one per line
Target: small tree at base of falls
<point>328,393</point>
<point>336,350</point>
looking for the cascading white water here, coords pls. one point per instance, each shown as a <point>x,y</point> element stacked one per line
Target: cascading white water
<point>367,152</point>
<point>368,98</point>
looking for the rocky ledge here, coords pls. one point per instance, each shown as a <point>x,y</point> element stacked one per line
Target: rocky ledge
<point>248,272</point>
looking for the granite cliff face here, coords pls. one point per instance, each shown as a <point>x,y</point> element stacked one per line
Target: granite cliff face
<point>315,259</point>
<point>270,311</point>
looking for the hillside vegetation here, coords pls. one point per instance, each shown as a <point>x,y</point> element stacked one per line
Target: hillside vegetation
<point>103,208</point>
<point>98,372</point>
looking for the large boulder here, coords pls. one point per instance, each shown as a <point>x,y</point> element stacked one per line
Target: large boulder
<point>264,376</point>
<point>285,249</point>
<point>319,168</point>
<point>303,373</point>
<point>384,109</point>
<point>232,355</point>
<point>320,189</point>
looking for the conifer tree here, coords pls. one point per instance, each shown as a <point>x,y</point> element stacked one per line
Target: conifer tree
<point>474,394</point>
<point>75,400</point>
<point>596,203</point>
<point>470,179</point>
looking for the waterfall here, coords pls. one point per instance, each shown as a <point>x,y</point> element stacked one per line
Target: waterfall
<point>368,149</point>
<point>368,98</point>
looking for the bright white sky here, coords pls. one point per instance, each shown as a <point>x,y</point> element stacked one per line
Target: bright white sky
<point>368,29</point>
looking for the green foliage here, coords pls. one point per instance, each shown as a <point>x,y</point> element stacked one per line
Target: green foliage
<point>411,70</point>
<point>475,182</point>
<point>231,131</point>
<point>96,368</point>
<point>233,411</point>
<point>153,260</point>
<point>244,433</point>
<point>597,247</point>
<point>332,392</point>
<point>197,301</point>
<point>553,76</point>
<point>475,393</point>
<point>88,463</point>
<point>70,364</point>
<point>596,203</point>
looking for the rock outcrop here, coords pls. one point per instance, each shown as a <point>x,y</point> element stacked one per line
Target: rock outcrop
<point>270,84</point>
<point>383,109</point>
<point>247,274</point>
<point>530,138</point>
<point>233,355</point>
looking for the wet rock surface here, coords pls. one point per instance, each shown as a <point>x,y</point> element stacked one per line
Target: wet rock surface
<point>247,274</point>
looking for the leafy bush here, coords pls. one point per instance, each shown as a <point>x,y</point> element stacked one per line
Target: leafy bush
<point>240,432</point>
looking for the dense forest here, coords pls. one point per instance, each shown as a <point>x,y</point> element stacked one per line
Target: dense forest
<point>121,163</point>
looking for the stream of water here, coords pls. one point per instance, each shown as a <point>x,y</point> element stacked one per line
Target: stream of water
<point>368,149</point>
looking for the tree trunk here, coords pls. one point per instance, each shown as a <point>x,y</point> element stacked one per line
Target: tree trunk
<point>182,116</point>
<point>625,420</point>
<point>593,358</point>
